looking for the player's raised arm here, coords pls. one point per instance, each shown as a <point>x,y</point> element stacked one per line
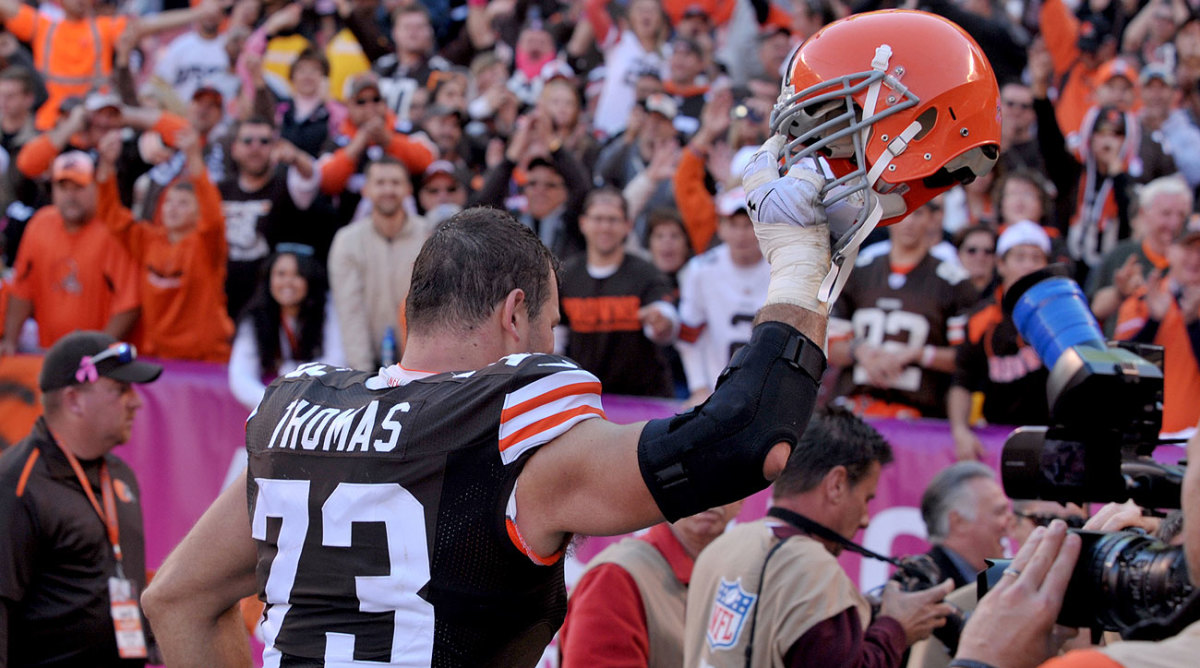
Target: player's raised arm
<point>601,478</point>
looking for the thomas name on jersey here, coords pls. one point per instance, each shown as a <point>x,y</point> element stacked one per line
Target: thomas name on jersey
<point>311,426</point>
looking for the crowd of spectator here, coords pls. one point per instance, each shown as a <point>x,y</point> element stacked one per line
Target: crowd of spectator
<point>248,182</point>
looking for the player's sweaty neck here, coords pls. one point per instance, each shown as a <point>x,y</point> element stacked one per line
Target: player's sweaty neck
<point>438,347</point>
<point>443,351</point>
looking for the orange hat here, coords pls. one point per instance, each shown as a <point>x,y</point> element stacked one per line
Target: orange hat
<point>74,166</point>
<point>1117,67</point>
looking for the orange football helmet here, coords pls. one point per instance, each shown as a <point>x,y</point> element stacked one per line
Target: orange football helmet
<point>902,105</point>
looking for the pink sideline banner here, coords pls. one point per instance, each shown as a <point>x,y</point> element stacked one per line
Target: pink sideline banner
<point>922,448</point>
<point>190,434</point>
<point>188,442</point>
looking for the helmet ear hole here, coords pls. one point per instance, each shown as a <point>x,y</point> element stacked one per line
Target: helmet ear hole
<point>927,120</point>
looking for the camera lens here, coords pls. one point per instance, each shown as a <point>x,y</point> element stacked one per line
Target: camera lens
<point>1125,578</point>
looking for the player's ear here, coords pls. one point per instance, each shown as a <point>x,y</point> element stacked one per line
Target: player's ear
<point>513,313</point>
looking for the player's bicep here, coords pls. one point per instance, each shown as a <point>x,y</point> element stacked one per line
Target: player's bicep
<point>586,481</point>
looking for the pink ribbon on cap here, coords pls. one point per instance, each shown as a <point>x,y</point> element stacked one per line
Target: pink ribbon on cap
<point>87,370</point>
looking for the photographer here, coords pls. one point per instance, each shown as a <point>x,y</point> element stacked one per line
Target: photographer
<point>1014,625</point>
<point>966,516</point>
<point>773,592</point>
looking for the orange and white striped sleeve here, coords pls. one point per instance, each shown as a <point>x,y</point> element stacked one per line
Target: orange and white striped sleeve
<point>547,407</point>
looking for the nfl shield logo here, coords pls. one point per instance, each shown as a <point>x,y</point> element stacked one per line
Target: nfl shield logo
<point>729,609</point>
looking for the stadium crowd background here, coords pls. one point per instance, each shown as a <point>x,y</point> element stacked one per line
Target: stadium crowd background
<point>247,185</point>
<point>282,247</point>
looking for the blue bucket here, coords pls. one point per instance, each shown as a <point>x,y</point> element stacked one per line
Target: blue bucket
<point>1053,315</point>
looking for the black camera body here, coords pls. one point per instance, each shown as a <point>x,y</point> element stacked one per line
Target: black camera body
<point>1106,413</point>
<point>918,572</point>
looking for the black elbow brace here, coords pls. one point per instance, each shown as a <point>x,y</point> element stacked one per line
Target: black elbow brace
<point>714,454</point>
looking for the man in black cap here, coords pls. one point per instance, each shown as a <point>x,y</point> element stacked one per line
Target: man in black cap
<point>72,555</point>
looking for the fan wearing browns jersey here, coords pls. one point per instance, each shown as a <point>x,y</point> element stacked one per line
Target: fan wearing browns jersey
<point>894,329</point>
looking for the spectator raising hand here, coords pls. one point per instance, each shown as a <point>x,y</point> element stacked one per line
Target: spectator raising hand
<point>695,202</point>
<point>664,161</point>
<point>183,318</point>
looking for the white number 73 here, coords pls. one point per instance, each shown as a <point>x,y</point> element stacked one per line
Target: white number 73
<point>404,521</point>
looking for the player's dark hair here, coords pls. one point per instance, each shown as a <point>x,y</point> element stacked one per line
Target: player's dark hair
<point>470,264</point>
<point>265,314</point>
<point>833,438</point>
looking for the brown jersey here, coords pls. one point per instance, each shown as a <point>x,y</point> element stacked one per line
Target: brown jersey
<point>384,509</point>
<point>883,306</point>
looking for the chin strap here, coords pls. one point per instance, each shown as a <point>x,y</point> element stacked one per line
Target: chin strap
<point>842,262</point>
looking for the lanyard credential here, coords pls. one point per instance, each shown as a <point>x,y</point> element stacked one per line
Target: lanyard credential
<point>107,512</point>
<point>122,594</point>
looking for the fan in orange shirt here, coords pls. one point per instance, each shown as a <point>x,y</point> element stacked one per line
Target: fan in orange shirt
<point>74,54</point>
<point>70,274</point>
<point>182,261</point>
<point>1166,312</point>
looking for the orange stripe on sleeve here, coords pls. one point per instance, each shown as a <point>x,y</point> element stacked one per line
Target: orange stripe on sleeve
<point>33,457</point>
<point>515,536</point>
<point>548,423</point>
<point>543,399</point>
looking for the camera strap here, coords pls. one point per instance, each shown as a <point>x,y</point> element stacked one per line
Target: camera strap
<point>824,533</point>
<point>813,529</point>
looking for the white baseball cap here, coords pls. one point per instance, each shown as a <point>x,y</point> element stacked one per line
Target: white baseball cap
<point>1021,233</point>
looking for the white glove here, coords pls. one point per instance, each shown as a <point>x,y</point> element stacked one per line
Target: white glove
<point>790,223</point>
<point>793,199</point>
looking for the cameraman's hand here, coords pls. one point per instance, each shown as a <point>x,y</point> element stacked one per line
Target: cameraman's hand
<point>919,612</point>
<point>1014,625</point>
<point>1121,517</point>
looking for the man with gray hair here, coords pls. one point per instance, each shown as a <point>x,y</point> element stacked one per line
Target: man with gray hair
<point>1163,206</point>
<point>966,514</point>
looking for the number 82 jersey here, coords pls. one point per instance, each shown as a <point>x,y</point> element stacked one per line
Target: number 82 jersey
<point>382,510</point>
